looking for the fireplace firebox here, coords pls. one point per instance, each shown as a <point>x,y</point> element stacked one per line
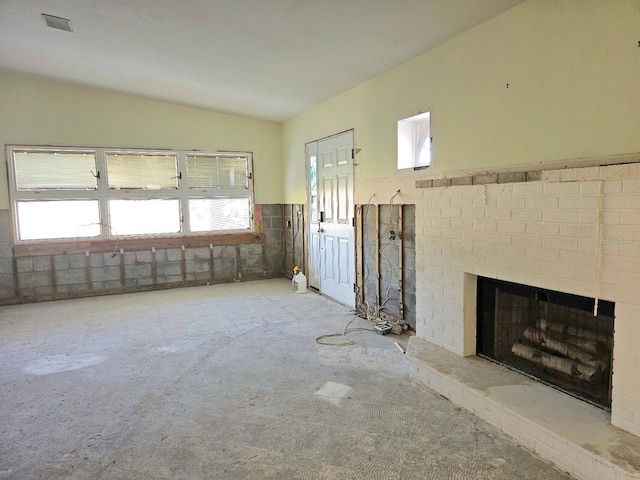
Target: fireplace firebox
<point>551,336</point>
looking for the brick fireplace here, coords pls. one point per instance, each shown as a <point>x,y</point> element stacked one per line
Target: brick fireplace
<point>571,230</point>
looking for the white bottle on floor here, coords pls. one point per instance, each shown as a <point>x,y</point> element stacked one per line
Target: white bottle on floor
<point>301,283</point>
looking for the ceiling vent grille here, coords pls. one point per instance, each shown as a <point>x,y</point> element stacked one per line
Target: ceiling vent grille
<point>57,22</point>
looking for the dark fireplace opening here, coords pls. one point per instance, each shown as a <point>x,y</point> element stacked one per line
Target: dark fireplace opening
<point>551,336</point>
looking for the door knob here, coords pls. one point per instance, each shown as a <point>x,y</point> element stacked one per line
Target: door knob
<point>321,230</point>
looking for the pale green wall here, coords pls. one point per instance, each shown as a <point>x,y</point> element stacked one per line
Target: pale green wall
<point>35,111</point>
<point>573,69</point>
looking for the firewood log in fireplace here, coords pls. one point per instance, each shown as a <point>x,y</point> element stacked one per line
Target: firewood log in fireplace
<point>583,338</point>
<point>564,365</point>
<point>562,344</point>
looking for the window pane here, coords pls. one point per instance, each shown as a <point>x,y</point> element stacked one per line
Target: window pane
<point>58,219</point>
<point>218,172</point>
<point>143,217</point>
<point>147,172</point>
<point>54,171</point>
<point>214,214</point>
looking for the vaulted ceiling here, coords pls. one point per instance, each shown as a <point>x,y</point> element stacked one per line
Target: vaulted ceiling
<point>267,59</point>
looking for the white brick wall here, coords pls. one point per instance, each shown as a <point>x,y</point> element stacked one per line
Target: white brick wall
<point>543,234</point>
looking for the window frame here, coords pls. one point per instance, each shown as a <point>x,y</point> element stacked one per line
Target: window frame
<point>412,135</point>
<point>103,194</point>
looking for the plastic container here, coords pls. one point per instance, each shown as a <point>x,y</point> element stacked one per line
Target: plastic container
<point>300,283</point>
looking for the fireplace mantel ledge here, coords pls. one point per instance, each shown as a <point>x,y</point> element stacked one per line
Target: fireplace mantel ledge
<point>572,434</point>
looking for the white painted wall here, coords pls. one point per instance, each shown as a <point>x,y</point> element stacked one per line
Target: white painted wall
<point>36,111</point>
<point>573,69</point>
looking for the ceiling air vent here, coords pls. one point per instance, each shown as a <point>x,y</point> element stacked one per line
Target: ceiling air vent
<point>57,22</point>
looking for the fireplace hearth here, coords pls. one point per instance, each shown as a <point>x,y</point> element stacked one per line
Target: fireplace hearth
<point>550,336</point>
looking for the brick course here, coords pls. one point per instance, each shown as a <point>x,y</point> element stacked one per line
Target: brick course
<point>541,233</point>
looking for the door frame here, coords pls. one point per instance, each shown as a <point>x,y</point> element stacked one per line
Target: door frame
<point>310,225</point>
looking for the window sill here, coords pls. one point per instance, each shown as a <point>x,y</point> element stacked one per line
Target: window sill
<point>134,244</point>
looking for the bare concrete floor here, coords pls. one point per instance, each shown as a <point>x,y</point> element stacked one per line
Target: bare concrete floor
<point>226,382</point>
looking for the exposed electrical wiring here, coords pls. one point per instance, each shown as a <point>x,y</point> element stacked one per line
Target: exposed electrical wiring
<point>347,341</point>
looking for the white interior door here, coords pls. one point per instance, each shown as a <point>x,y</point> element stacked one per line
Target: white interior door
<point>335,232</point>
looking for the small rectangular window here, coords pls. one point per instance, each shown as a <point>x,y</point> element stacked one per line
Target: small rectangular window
<point>218,172</point>
<point>141,171</point>
<point>414,141</point>
<point>54,170</point>
<point>144,217</point>
<point>215,214</point>
<point>52,219</point>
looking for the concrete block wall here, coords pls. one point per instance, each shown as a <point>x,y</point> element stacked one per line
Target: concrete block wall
<point>7,283</point>
<point>574,230</point>
<point>294,238</point>
<point>85,273</point>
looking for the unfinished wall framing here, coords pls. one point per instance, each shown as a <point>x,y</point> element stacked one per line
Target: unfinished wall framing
<point>138,265</point>
<point>385,272</point>
<point>294,238</point>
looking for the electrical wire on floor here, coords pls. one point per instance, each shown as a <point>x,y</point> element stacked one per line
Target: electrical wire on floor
<point>347,340</point>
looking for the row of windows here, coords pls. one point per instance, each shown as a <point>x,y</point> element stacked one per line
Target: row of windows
<point>71,193</point>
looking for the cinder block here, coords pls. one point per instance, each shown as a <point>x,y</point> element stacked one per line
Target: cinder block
<point>424,183</point>
<point>143,256</point>
<point>41,264</point>
<point>71,276</point>
<point>224,267</point>
<point>137,271</point>
<point>441,182</point>
<point>4,221</point>
<point>6,266</point>
<point>96,259</point>
<point>77,260</point>
<point>534,176</point>
<point>7,286</point>
<point>102,274</point>
<point>193,266</point>
<point>201,253</point>
<point>169,268</point>
<point>174,254</point>
<point>62,262</point>
<point>513,177</point>
<point>48,290</point>
<point>485,179</point>
<point>26,292</point>
<point>271,210</point>
<point>6,249</point>
<point>460,181</point>
<point>34,279</point>
<point>24,264</point>
<point>111,258</point>
<point>78,287</point>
